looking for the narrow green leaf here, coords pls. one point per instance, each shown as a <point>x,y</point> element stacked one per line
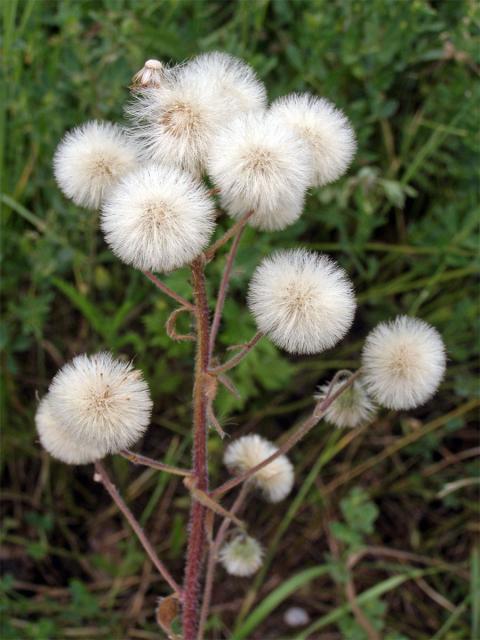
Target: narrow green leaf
<point>275,598</point>
<point>365,596</point>
<point>91,313</point>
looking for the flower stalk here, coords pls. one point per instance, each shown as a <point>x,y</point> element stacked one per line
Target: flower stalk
<point>197,537</point>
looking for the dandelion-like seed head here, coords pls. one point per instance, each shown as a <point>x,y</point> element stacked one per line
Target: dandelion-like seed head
<point>91,159</point>
<point>242,556</point>
<point>175,122</point>
<point>325,129</point>
<point>101,402</point>
<point>403,362</point>
<point>302,300</point>
<point>158,218</point>
<point>59,442</point>
<point>234,81</point>
<point>352,407</point>
<point>260,166</point>
<point>275,480</point>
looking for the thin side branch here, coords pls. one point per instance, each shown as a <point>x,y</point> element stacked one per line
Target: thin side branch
<point>222,291</point>
<point>210,503</point>
<point>302,430</point>
<point>238,226</point>
<point>102,476</point>
<point>169,292</point>
<point>236,359</point>
<point>137,458</point>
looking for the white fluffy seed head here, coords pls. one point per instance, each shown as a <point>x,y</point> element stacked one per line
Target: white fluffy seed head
<point>260,165</point>
<point>352,407</point>
<point>275,480</point>
<point>325,129</point>
<point>158,218</point>
<point>302,300</point>
<point>101,402</point>
<point>403,362</point>
<point>235,82</point>
<point>59,442</point>
<point>91,159</point>
<point>242,556</point>
<point>175,122</point>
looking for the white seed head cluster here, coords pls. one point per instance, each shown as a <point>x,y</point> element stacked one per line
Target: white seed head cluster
<point>324,128</point>
<point>242,556</point>
<point>275,480</point>
<point>100,404</point>
<point>158,218</point>
<point>352,408</point>
<point>403,362</point>
<point>176,121</point>
<point>259,165</point>
<point>58,441</point>
<point>302,300</point>
<point>91,159</point>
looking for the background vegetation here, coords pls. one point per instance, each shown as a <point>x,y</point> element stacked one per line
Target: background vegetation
<point>403,222</point>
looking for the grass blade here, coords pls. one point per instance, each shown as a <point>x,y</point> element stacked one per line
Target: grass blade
<point>275,598</point>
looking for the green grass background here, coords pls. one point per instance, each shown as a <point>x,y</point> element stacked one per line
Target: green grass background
<point>403,222</point>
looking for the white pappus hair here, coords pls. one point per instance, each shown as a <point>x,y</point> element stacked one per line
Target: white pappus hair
<point>352,408</point>
<point>158,218</point>
<point>242,556</point>
<point>59,442</point>
<point>101,402</point>
<point>325,129</point>
<point>90,159</point>
<point>175,122</point>
<point>403,362</point>
<point>302,300</point>
<point>259,165</point>
<point>275,480</point>
<point>234,81</point>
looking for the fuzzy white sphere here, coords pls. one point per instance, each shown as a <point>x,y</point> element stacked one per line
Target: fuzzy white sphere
<point>352,407</point>
<point>175,122</point>
<point>261,166</point>
<point>234,81</point>
<point>59,442</point>
<point>275,480</point>
<point>302,300</point>
<point>91,159</point>
<point>242,556</point>
<point>158,218</point>
<point>325,129</point>
<point>403,362</point>
<point>296,617</point>
<point>101,402</point>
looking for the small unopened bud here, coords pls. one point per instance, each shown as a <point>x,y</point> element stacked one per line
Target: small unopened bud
<point>150,75</point>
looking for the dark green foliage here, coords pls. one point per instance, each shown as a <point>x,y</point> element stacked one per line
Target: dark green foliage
<point>403,222</point>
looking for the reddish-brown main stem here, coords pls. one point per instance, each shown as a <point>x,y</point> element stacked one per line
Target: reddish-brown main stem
<point>195,551</point>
